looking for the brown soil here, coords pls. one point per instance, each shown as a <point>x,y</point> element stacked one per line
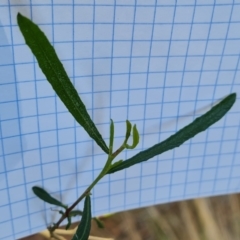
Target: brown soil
<point>216,218</point>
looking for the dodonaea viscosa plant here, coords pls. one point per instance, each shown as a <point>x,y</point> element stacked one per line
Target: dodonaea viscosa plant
<point>56,75</point>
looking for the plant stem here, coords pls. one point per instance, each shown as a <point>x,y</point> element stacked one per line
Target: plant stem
<point>87,191</point>
<point>118,151</point>
<point>84,194</point>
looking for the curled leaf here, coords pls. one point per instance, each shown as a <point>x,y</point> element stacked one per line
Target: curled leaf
<point>128,131</point>
<point>83,230</point>
<point>46,197</point>
<point>135,138</point>
<point>56,75</point>
<point>198,125</point>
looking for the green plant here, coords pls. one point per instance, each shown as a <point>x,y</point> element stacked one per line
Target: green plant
<point>57,77</point>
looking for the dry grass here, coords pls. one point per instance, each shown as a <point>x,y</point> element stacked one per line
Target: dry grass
<point>216,218</point>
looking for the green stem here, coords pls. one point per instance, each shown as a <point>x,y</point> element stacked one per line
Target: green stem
<point>87,191</point>
<point>104,171</point>
<point>118,151</point>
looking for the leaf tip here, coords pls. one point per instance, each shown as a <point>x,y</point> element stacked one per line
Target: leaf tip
<point>19,17</point>
<point>35,188</point>
<point>234,96</point>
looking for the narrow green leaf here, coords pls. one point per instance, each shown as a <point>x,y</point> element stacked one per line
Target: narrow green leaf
<point>135,138</point>
<point>69,223</point>
<point>45,196</point>
<point>111,137</point>
<point>98,222</point>
<point>84,227</point>
<point>198,125</point>
<point>128,131</point>
<point>116,163</point>
<point>56,75</point>
<point>75,213</point>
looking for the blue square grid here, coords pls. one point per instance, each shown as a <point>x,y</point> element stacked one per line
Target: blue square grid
<point>158,64</point>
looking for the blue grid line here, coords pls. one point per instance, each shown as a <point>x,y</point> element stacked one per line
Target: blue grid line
<point>160,56</point>
<point>124,23</point>
<point>175,184</point>
<point>137,104</point>
<point>234,159</point>
<point>165,78</point>
<point>93,55</point>
<point>137,40</point>
<point>55,101</point>
<point>122,5</point>
<point>177,71</point>
<point>214,92</point>
<point>209,30</point>
<point>145,101</point>
<point>19,128</point>
<point>134,191</point>
<point>180,96</point>
<point>125,40</point>
<point>69,143</point>
<point>37,111</point>
<point>152,72</point>
<point>5,173</point>
<point>145,118</point>
<point>169,132</point>
<point>133,205</point>
<point>111,87</point>
<point>128,95</point>
<point>75,126</point>
<point>235,148</point>
<point>66,144</point>
<point>126,57</point>
<point>116,90</point>
<point>65,159</point>
<point>125,73</point>
<point>131,178</point>
<point>238,134</point>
